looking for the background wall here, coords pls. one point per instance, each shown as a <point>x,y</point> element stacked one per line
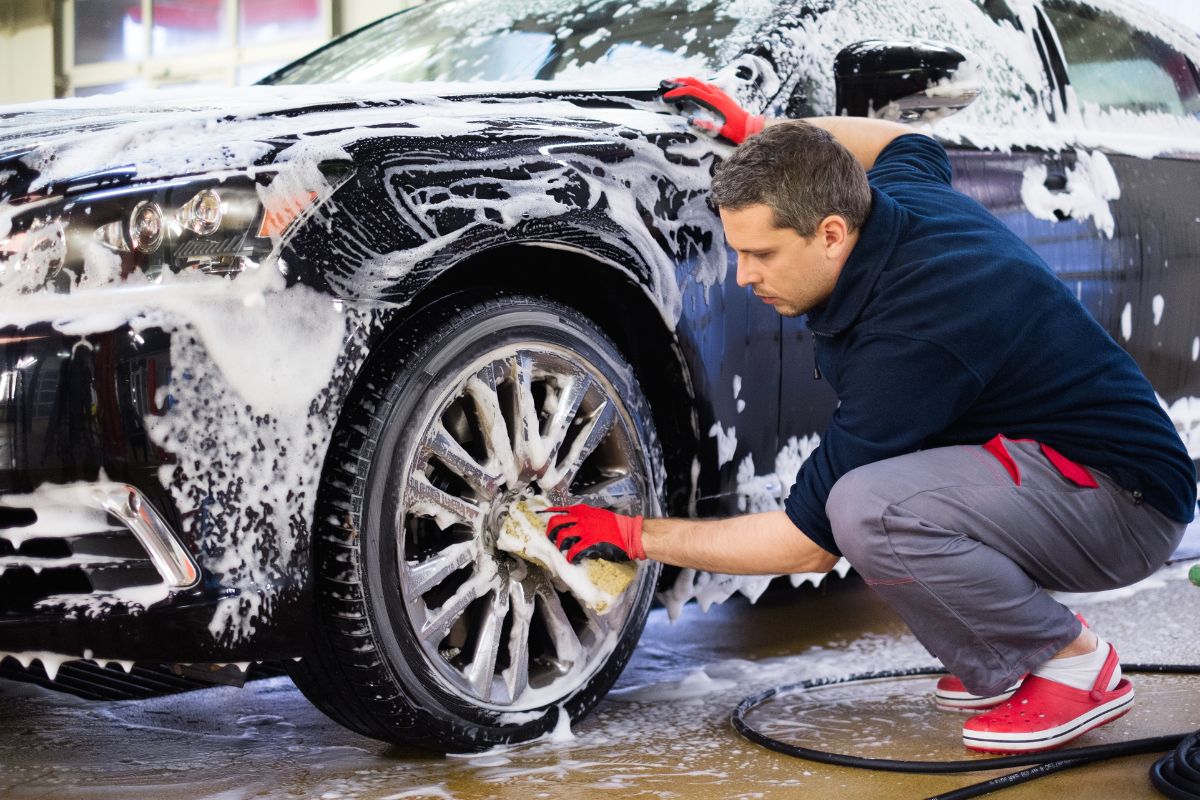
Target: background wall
<point>26,50</point>
<point>351,14</point>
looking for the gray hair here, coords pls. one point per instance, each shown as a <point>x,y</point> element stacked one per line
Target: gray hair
<point>800,172</point>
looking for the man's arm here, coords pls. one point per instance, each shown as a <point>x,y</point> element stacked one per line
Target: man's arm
<point>864,138</point>
<point>752,544</point>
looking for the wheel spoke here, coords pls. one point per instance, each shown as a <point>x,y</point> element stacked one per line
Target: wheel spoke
<point>438,625</point>
<point>481,673</point>
<point>584,445</point>
<point>427,574</point>
<point>482,389</point>
<point>599,623</point>
<point>516,677</point>
<point>566,642</point>
<point>620,493</point>
<point>426,500</point>
<point>528,446</point>
<point>568,407</point>
<point>461,463</point>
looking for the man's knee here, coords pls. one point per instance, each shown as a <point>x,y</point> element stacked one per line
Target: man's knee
<point>856,508</point>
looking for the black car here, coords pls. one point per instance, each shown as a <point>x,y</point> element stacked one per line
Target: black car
<point>277,365</point>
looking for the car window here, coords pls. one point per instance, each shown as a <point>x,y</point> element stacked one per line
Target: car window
<point>998,10</point>
<point>481,40</point>
<point>1116,66</point>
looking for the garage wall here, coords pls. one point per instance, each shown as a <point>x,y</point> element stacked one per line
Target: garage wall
<point>29,39</point>
<point>26,50</point>
<point>351,14</point>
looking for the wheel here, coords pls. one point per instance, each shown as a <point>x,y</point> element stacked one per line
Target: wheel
<point>426,632</point>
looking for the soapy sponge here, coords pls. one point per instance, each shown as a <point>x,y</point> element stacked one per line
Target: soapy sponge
<point>594,582</point>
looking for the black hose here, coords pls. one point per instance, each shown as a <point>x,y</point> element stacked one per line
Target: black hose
<point>1176,775</point>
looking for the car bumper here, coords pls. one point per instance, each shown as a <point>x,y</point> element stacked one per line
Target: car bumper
<point>93,555</point>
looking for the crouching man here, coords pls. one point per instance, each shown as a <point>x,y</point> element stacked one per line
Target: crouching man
<point>992,442</point>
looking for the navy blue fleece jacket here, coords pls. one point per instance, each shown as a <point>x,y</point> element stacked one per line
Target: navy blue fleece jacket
<point>945,328</point>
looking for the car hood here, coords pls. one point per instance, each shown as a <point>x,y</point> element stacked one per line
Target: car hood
<point>61,146</point>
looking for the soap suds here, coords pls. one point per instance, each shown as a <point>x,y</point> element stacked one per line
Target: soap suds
<point>726,442</point>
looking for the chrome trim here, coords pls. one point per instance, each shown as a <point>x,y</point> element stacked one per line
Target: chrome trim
<point>173,562</point>
<point>76,509</point>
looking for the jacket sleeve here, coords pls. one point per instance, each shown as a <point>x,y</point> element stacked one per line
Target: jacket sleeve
<point>913,156</point>
<point>896,392</point>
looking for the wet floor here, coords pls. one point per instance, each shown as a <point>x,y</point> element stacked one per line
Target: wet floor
<point>663,733</point>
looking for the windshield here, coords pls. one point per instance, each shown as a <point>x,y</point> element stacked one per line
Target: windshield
<point>486,40</point>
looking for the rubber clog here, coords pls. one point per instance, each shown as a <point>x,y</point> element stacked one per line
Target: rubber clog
<point>1045,714</point>
<point>951,695</point>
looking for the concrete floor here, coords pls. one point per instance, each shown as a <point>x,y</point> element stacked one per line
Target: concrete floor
<point>663,733</point>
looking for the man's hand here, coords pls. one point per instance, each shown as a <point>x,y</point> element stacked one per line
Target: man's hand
<point>727,120</point>
<point>582,531</point>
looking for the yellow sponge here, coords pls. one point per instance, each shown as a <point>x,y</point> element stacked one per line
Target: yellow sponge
<point>594,582</point>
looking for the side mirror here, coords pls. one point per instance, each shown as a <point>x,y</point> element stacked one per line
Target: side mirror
<point>903,80</point>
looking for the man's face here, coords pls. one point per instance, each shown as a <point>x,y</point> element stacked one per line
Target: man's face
<point>785,270</point>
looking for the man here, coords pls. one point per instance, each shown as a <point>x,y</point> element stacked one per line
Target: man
<point>991,441</point>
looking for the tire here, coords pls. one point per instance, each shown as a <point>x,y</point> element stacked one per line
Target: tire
<point>425,633</point>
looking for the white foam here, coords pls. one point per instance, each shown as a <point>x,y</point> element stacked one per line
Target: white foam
<point>430,792</point>
<point>726,442</point>
<point>695,685</point>
<point>51,662</point>
<point>1091,185</point>
<point>1185,415</point>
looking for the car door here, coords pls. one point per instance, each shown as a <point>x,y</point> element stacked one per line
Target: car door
<point>731,339</point>
<point>1133,104</point>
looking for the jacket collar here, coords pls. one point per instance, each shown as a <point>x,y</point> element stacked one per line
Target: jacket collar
<point>871,252</point>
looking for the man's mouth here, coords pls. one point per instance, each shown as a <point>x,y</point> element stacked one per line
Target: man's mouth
<point>766,299</point>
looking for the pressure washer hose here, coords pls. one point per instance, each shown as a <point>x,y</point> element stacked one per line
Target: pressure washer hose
<point>1176,775</point>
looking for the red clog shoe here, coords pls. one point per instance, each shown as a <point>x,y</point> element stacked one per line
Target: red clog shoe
<point>1044,714</point>
<point>951,695</point>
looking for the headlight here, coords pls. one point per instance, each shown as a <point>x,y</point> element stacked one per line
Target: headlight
<point>179,227</point>
<point>184,227</point>
<point>216,227</point>
<point>146,227</point>
<point>203,213</point>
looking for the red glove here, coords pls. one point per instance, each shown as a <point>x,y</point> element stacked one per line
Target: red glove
<point>731,121</point>
<point>582,531</point>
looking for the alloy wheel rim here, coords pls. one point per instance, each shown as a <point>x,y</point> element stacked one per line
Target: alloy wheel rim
<point>526,420</point>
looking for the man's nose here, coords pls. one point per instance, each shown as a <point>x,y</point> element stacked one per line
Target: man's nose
<point>744,275</point>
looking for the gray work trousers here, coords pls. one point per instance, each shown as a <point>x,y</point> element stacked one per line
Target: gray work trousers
<point>966,556</point>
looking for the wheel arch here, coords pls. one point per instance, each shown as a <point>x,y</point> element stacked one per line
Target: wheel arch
<point>608,295</point>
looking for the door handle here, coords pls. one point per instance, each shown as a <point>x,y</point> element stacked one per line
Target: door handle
<point>1056,180</point>
<point>1056,173</point>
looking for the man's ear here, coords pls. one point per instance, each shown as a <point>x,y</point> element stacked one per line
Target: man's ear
<point>834,234</point>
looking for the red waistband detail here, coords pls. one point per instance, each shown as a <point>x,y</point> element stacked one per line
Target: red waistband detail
<point>996,447</point>
<point>1072,471</point>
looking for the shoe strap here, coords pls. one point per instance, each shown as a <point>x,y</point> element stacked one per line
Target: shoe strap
<point>1100,687</point>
